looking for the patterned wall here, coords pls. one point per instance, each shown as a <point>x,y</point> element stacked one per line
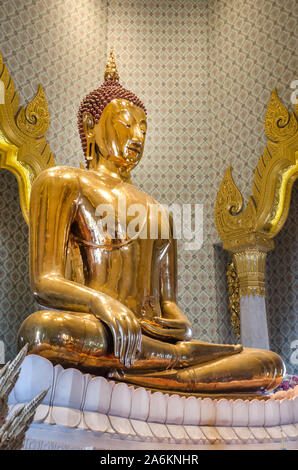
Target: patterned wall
<point>204,69</point>
<point>282,282</point>
<point>15,297</point>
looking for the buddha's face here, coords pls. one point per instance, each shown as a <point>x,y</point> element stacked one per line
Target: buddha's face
<point>120,134</point>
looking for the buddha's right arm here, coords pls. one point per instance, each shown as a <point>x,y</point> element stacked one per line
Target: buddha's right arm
<point>54,203</point>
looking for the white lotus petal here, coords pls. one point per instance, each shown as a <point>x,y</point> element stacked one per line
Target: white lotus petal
<point>177,432</point>
<point>260,434</point>
<point>158,407</point>
<point>69,390</point>
<point>208,412</point>
<point>66,416</point>
<point>240,409</point>
<point>256,413</point>
<point>142,429</point>
<point>98,395</point>
<point>211,433</point>
<point>286,411</point>
<point>121,400</point>
<point>160,431</point>
<point>290,430</point>
<point>37,374</point>
<point>275,433</point>
<point>41,413</point>
<point>122,426</point>
<point>140,404</point>
<point>97,422</point>
<point>243,433</point>
<point>224,413</point>
<point>195,434</point>
<point>175,411</point>
<point>227,434</point>
<point>192,410</point>
<point>272,413</point>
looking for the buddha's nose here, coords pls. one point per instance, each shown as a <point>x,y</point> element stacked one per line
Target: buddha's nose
<point>138,135</point>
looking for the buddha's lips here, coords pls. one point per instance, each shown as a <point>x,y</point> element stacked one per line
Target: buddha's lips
<point>134,150</point>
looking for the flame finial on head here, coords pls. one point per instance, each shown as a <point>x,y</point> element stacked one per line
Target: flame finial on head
<point>111,72</point>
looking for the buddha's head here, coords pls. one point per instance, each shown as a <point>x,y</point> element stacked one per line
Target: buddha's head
<point>112,123</point>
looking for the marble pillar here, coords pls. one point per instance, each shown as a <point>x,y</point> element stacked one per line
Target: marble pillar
<point>250,265</point>
<point>253,321</point>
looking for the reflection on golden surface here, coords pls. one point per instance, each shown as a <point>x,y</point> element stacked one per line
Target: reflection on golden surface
<point>118,315</point>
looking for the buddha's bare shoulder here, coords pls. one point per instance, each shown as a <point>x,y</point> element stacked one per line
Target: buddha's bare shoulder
<point>62,175</point>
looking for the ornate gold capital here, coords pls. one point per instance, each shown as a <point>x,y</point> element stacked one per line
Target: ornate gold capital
<point>250,265</point>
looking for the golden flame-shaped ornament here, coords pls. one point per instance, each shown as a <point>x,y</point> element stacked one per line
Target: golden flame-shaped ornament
<point>111,72</point>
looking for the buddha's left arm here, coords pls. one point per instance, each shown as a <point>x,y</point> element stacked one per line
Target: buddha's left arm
<point>172,317</point>
<point>173,324</point>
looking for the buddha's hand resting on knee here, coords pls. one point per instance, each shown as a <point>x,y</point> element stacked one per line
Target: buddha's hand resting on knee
<point>167,329</point>
<point>125,329</point>
<point>172,326</point>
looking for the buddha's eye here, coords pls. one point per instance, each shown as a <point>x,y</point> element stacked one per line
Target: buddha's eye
<point>125,123</point>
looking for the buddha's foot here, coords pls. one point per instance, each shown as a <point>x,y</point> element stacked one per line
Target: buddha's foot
<point>250,371</point>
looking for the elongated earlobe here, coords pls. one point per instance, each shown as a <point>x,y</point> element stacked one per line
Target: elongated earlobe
<point>88,127</point>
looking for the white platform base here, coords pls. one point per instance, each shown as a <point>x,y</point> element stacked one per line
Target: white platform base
<point>81,411</point>
<point>49,437</point>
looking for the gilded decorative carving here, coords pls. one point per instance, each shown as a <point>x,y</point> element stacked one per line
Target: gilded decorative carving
<point>268,206</point>
<point>229,213</point>
<point>23,147</point>
<point>279,123</point>
<point>234,296</point>
<point>34,119</point>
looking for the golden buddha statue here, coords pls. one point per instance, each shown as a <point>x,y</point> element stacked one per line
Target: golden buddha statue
<point>119,317</point>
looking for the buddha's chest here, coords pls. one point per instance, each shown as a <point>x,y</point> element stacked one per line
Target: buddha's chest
<point>113,215</point>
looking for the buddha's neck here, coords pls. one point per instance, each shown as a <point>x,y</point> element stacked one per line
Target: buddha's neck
<point>109,168</point>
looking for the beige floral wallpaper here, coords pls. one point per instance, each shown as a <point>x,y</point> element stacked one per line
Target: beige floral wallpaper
<point>204,70</point>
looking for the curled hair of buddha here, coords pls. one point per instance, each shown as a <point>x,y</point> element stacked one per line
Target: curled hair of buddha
<point>95,102</point>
